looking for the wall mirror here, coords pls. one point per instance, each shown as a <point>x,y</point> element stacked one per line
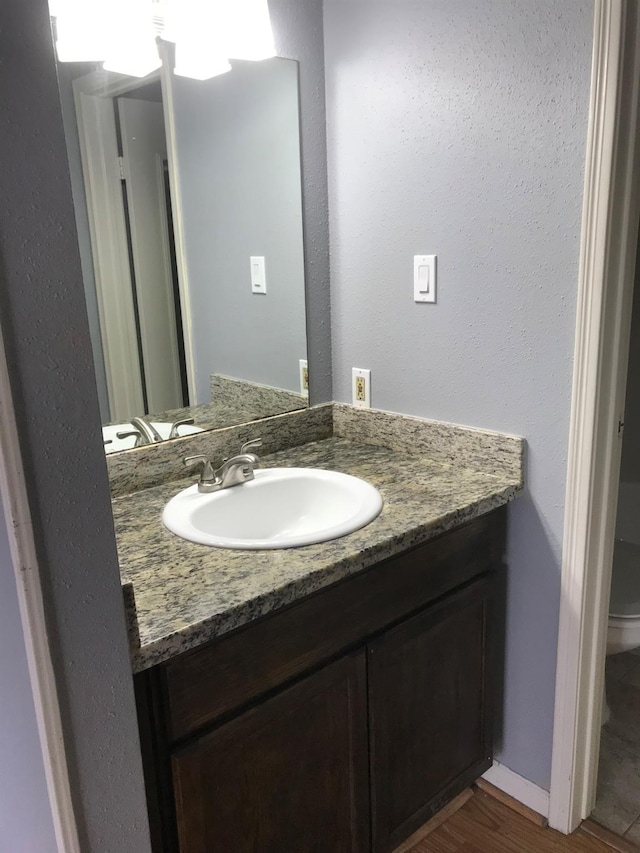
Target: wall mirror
<point>189,212</point>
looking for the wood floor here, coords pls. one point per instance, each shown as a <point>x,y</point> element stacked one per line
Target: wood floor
<point>484,825</point>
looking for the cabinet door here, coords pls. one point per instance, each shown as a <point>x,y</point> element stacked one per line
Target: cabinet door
<point>288,775</point>
<point>430,712</point>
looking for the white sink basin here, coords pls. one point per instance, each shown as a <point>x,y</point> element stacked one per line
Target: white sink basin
<point>111,433</point>
<point>280,508</point>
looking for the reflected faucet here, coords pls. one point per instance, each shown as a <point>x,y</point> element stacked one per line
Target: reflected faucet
<point>145,432</point>
<point>174,427</point>
<point>149,433</point>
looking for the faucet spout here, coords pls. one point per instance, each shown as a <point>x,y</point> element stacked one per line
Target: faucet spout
<point>149,433</point>
<point>239,469</point>
<point>233,472</point>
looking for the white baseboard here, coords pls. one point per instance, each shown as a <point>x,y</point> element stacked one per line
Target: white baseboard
<point>519,788</point>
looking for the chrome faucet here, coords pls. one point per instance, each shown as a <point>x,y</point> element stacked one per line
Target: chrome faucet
<point>246,447</point>
<point>132,433</point>
<point>173,432</point>
<point>149,433</point>
<point>233,472</point>
<point>145,432</point>
<point>239,469</point>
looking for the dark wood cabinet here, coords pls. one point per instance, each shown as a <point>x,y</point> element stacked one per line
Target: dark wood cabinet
<point>339,724</point>
<point>288,775</point>
<point>429,711</point>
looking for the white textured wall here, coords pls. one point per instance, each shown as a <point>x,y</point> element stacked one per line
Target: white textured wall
<point>459,128</point>
<point>237,157</point>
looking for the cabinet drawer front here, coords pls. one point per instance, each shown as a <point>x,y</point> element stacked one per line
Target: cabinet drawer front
<point>207,683</point>
<point>289,775</point>
<point>430,692</point>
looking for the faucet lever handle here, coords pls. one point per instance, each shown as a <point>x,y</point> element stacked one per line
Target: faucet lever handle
<point>174,427</point>
<point>245,450</point>
<point>207,474</point>
<point>130,434</point>
<point>246,447</point>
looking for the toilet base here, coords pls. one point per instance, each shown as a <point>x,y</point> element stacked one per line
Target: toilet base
<point>623,634</point>
<point>606,710</point>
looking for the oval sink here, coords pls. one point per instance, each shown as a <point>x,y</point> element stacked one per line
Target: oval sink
<point>280,508</point>
<point>111,431</point>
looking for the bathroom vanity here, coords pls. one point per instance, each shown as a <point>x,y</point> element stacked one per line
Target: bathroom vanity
<point>341,723</point>
<point>333,697</point>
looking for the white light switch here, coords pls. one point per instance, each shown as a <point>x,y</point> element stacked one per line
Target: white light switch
<point>258,276</point>
<point>424,278</point>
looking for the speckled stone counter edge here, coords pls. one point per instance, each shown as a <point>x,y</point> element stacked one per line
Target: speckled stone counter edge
<point>131,616</point>
<point>192,636</point>
<point>144,467</point>
<point>238,392</point>
<point>490,452</point>
<point>496,456</point>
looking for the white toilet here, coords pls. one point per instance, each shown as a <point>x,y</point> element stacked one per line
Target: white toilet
<point>623,632</point>
<point>624,607</point>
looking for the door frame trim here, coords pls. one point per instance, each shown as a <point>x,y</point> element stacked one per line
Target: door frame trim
<point>96,123</point>
<point>15,506</point>
<point>108,234</point>
<point>605,289</point>
<point>166,82</point>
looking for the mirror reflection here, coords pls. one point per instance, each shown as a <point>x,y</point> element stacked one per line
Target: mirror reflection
<point>189,213</point>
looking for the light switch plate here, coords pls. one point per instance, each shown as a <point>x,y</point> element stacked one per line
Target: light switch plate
<point>424,278</point>
<point>258,275</point>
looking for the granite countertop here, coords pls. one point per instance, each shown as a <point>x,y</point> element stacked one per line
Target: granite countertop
<point>186,594</point>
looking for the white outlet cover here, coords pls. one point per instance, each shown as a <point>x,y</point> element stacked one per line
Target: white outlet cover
<point>303,366</point>
<point>359,372</point>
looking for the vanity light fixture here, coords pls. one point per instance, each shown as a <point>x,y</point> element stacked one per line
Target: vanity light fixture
<point>228,29</point>
<point>123,33</point>
<point>248,28</point>
<point>80,36</point>
<point>200,50</point>
<point>131,47</point>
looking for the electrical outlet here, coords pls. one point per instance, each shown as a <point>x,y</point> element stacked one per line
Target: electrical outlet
<point>361,387</point>
<point>304,376</point>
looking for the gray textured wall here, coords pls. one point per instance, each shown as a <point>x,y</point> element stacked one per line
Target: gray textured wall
<point>459,129</point>
<point>237,158</point>
<point>44,318</point>
<point>25,814</point>
<point>298,32</point>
